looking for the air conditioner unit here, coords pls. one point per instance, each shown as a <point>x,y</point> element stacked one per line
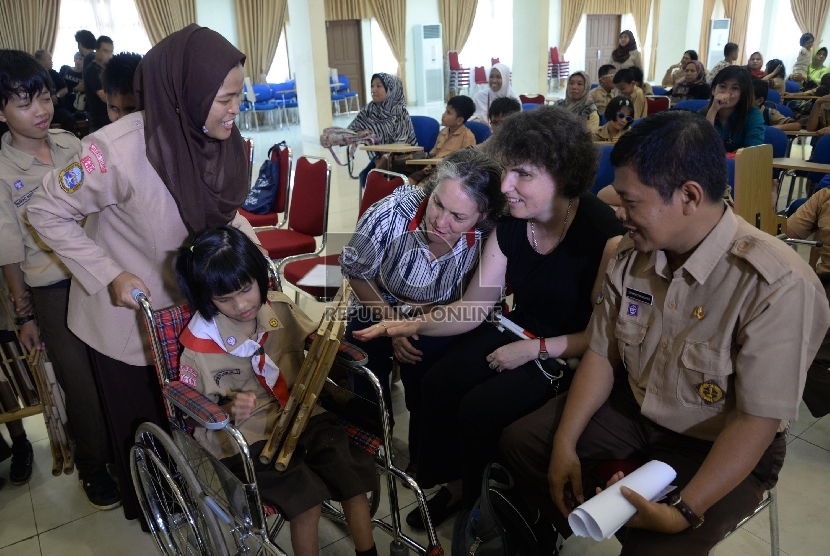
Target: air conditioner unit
<point>718,37</point>
<point>429,64</point>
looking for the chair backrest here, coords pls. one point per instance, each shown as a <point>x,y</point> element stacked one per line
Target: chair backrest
<point>657,104</point>
<point>494,61</point>
<point>379,184</point>
<point>659,91</point>
<point>774,96</point>
<point>262,93</point>
<point>594,86</point>
<point>284,186</point>
<point>821,154</point>
<point>344,83</point>
<point>778,139</point>
<point>426,131</point>
<point>602,120</point>
<point>452,56</point>
<point>792,86</point>
<point>167,326</point>
<point>308,213</point>
<point>480,75</point>
<point>481,131</point>
<point>691,105</point>
<point>730,175</point>
<point>534,99</point>
<point>753,166</point>
<point>554,55</point>
<point>605,173</point>
<point>794,206</point>
<point>250,95</point>
<point>785,110</point>
<point>529,106</point>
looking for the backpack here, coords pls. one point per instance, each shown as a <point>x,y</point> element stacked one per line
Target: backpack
<point>502,522</point>
<point>261,197</point>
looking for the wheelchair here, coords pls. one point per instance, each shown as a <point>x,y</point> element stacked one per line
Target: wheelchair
<point>194,505</point>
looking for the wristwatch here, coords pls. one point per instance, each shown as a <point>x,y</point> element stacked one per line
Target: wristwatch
<point>685,510</point>
<point>543,351</point>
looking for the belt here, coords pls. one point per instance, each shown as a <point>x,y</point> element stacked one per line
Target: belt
<point>63,284</point>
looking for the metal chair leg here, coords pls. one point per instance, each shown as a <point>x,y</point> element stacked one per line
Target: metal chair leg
<point>773,522</point>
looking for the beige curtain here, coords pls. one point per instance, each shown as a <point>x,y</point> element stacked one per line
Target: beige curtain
<point>162,17</point>
<point>391,17</point>
<point>641,9</point>
<point>571,15</point>
<point>652,64</point>
<point>810,15</point>
<point>703,49</point>
<point>738,12</point>
<point>457,18</point>
<point>337,10</point>
<point>29,25</point>
<point>258,26</point>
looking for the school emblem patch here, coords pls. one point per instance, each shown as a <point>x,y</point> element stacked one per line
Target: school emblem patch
<point>188,375</point>
<point>72,177</point>
<point>274,322</point>
<point>709,392</point>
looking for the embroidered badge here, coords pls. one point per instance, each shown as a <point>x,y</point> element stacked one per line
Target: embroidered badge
<point>98,156</point>
<point>188,375</point>
<point>23,199</point>
<point>89,166</point>
<point>71,178</point>
<point>699,312</point>
<point>709,392</point>
<point>220,374</point>
<point>231,340</point>
<point>274,322</point>
<point>633,309</point>
<point>18,185</point>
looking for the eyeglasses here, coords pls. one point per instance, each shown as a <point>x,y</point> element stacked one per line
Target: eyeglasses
<point>622,116</point>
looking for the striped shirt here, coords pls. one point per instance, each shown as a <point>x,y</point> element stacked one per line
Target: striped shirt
<point>390,248</point>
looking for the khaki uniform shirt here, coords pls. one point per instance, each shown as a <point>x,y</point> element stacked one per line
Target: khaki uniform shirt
<point>20,175</point>
<point>638,101</point>
<point>814,216</point>
<point>135,227</point>
<point>603,97</point>
<point>220,376</point>
<point>448,143</point>
<point>647,89</point>
<point>733,329</point>
<point>602,134</point>
<point>777,118</point>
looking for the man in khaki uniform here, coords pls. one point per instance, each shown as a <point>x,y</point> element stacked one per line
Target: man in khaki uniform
<point>699,346</point>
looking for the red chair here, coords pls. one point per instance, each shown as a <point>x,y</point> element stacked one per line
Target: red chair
<point>379,184</point>
<point>480,76</point>
<point>557,69</point>
<point>535,99</point>
<point>270,219</point>
<point>494,61</point>
<point>459,76</point>
<point>307,213</point>
<point>657,104</point>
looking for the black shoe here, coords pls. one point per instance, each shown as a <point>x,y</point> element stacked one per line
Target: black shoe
<point>22,460</point>
<point>439,510</point>
<point>101,490</point>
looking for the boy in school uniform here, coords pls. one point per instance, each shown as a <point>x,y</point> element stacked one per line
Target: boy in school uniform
<point>455,135</point>
<point>605,91</point>
<point>498,111</point>
<point>772,117</point>
<point>117,81</point>
<point>37,279</point>
<point>640,79</point>
<point>627,85</point>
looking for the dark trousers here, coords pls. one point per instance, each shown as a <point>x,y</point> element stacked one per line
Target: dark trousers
<point>364,174</point>
<point>817,386</point>
<point>466,405</point>
<point>379,351</point>
<point>618,431</point>
<point>131,395</point>
<point>73,369</point>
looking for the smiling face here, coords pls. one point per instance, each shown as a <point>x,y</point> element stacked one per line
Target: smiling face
<point>626,88</point>
<point>29,118</point>
<point>729,90</point>
<point>225,106</point>
<point>756,61</point>
<point>576,87</point>
<point>450,213</point>
<point>378,91</point>
<point>529,190</point>
<point>651,223</point>
<point>495,80</point>
<point>241,305</point>
<point>691,73</point>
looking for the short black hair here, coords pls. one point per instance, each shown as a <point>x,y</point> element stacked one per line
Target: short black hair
<point>101,40</point>
<point>692,54</point>
<point>551,138</point>
<point>463,106</point>
<point>117,76</point>
<point>672,147</point>
<point>86,39</point>
<point>746,101</point>
<point>637,73</point>
<point>805,38</point>
<point>603,70</point>
<point>222,260</point>
<point>614,105</point>
<point>774,63</point>
<point>624,76</point>
<point>503,106</point>
<point>760,88</point>
<point>823,86</point>
<point>729,48</point>
<point>21,75</point>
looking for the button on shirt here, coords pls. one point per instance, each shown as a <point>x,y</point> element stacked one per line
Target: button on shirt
<point>20,175</point>
<point>733,329</point>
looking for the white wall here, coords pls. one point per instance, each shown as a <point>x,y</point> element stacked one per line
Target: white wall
<point>366,39</point>
<point>693,26</point>
<point>418,12</point>
<point>670,44</point>
<point>219,15</point>
<point>555,24</point>
<point>530,34</point>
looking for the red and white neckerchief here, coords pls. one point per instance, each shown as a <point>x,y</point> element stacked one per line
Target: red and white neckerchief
<point>203,336</point>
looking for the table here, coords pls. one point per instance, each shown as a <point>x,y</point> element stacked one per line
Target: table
<point>392,148</point>
<point>424,162</point>
<point>792,135</point>
<point>799,96</point>
<point>798,164</point>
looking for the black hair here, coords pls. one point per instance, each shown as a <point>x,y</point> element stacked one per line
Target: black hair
<point>551,138</point>
<point>760,89</point>
<point>744,79</point>
<point>774,63</point>
<point>624,76</point>
<point>729,49</point>
<point>824,86</point>
<point>117,76</point>
<point>86,39</point>
<point>21,76</point>
<point>672,147</point>
<point>824,48</point>
<point>101,40</point>
<point>692,54</point>
<point>603,70</point>
<point>614,106</point>
<point>222,260</point>
<point>805,38</point>
<point>504,106</point>
<point>463,106</point>
<point>637,73</point>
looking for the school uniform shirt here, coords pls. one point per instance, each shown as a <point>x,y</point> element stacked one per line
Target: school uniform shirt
<point>449,142</point>
<point>638,101</point>
<point>719,66</point>
<point>220,376</point>
<point>21,175</point>
<point>814,216</point>
<point>603,97</point>
<point>774,117</point>
<point>732,330</point>
<point>134,226</point>
<point>604,134</point>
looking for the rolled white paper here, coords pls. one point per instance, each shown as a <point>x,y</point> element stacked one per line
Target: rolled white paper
<point>601,516</point>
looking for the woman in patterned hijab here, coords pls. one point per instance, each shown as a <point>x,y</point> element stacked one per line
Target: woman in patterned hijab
<point>386,114</point>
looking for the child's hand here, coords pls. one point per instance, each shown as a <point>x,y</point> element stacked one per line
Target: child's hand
<point>243,404</point>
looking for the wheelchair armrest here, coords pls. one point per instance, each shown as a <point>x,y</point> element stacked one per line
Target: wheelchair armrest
<point>348,355</point>
<point>195,405</point>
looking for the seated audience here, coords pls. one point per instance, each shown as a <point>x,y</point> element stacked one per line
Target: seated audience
<point>578,99</point>
<point>819,119</point>
<point>774,73</point>
<point>801,67</point>
<point>677,72</point>
<point>117,81</point>
<point>639,78</point>
<point>626,85</point>
<point>455,135</point>
<point>693,86</point>
<point>626,54</point>
<point>817,69</point>
<point>731,110</point>
<point>618,117</point>
<point>499,110</point>
<point>730,54</point>
<point>552,251</point>
<point>755,65</point>
<point>498,87</point>
<point>697,353</point>
<point>604,92</point>
<point>772,117</point>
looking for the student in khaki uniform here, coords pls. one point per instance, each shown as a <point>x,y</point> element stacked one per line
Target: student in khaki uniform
<point>627,85</point>
<point>30,150</point>
<point>455,135</point>
<point>244,350</point>
<point>618,116</point>
<point>711,323</point>
<point>604,92</point>
<point>147,183</point>
<point>772,117</point>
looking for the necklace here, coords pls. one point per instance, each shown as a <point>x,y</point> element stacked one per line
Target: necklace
<point>561,235</point>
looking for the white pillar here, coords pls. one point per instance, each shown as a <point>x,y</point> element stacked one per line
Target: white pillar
<point>530,46</point>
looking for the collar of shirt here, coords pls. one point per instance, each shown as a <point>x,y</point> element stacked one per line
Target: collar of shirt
<point>23,160</point>
<point>266,321</point>
<point>417,223</point>
<point>707,254</point>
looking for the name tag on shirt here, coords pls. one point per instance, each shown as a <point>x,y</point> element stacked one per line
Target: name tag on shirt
<point>642,297</point>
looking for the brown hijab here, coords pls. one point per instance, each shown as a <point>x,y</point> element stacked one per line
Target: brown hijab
<point>622,53</point>
<point>175,85</point>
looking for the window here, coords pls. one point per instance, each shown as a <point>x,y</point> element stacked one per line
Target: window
<point>784,38</point>
<point>280,71</point>
<point>491,35</point>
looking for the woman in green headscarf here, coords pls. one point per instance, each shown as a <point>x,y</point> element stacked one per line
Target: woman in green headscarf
<point>817,68</point>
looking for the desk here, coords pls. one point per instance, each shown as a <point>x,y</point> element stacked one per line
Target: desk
<point>551,98</point>
<point>392,148</point>
<point>800,165</point>
<point>792,135</point>
<point>798,96</point>
<point>424,162</point>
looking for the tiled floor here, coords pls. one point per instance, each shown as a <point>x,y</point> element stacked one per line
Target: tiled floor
<point>50,515</point>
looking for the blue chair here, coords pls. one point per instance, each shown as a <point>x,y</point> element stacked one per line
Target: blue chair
<point>659,91</point>
<point>426,131</point>
<point>790,210</point>
<point>605,173</point>
<point>730,169</point>
<point>527,106</point>
<point>264,101</point>
<point>337,97</point>
<point>785,110</point>
<point>602,120</point>
<point>774,96</point>
<point>821,155</point>
<point>481,131</point>
<point>637,121</point>
<point>345,90</point>
<point>594,86</point>
<point>792,86</point>
<point>690,105</point>
<point>779,141</point>
<point>285,95</point>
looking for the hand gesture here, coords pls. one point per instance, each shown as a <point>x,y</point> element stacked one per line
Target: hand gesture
<point>512,355</point>
<point>652,516</point>
<point>565,469</point>
<point>391,328</point>
<point>30,336</point>
<point>243,404</point>
<point>405,352</point>
<point>122,288</point>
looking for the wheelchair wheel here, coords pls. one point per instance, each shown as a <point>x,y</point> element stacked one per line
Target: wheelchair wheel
<point>171,498</point>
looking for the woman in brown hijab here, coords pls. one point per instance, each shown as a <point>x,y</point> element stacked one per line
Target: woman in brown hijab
<point>626,53</point>
<point>145,184</point>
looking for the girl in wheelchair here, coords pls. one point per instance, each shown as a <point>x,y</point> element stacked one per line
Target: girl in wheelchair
<point>243,349</point>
